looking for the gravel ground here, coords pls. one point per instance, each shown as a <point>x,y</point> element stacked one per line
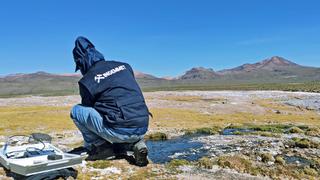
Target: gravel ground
<point>228,101</point>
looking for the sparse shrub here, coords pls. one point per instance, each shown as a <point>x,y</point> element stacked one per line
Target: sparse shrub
<point>205,162</point>
<point>178,162</point>
<point>259,133</point>
<point>295,130</point>
<point>240,133</point>
<point>188,132</point>
<point>234,126</point>
<point>315,163</point>
<point>175,163</point>
<point>313,131</point>
<point>142,174</point>
<point>280,160</point>
<point>305,143</point>
<point>310,171</point>
<point>238,163</point>
<point>100,164</point>
<point>207,131</point>
<point>267,134</point>
<point>158,136</point>
<point>275,128</point>
<point>203,131</point>
<point>2,172</point>
<point>244,165</point>
<point>266,157</point>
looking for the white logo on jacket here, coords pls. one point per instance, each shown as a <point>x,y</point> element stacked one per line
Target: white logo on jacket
<point>99,77</point>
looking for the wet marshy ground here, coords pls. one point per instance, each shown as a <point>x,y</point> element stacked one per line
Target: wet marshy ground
<point>229,142</point>
<point>194,147</point>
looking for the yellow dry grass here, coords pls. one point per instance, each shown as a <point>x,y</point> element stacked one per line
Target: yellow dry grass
<point>23,120</point>
<point>271,104</point>
<point>180,118</point>
<point>182,98</point>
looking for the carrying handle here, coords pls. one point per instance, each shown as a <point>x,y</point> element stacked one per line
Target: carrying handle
<point>56,163</point>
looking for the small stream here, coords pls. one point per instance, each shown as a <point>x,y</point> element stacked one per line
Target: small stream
<point>297,160</point>
<point>178,148</point>
<point>232,131</point>
<point>194,147</point>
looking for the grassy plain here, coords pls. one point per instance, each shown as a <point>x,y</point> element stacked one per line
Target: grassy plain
<point>175,118</point>
<point>23,120</point>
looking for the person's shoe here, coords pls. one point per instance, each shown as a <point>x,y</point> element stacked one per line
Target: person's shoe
<point>102,152</point>
<point>140,152</point>
<point>121,149</point>
<point>79,150</point>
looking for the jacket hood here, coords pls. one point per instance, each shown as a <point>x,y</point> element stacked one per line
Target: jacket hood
<point>85,55</point>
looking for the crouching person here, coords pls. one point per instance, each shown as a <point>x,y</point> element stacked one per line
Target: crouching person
<point>113,116</point>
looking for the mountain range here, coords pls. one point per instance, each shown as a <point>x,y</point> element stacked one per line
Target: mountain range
<point>272,70</point>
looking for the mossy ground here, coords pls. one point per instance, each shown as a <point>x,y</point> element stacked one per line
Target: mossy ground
<point>274,130</point>
<point>205,162</point>
<point>157,136</point>
<point>244,164</point>
<point>204,131</point>
<point>305,143</point>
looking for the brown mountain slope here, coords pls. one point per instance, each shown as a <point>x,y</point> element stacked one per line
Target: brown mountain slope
<point>199,73</point>
<point>270,64</point>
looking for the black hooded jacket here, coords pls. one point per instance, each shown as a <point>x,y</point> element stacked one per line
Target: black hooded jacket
<point>110,88</point>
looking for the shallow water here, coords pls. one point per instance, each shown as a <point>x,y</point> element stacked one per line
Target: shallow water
<point>232,131</point>
<point>178,148</point>
<point>297,160</point>
<point>195,147</point>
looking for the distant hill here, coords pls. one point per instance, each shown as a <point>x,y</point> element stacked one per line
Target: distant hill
<point>271,64</point>
<point>273,70</point>
<point>48,84</point>
<point>38,83</point>
<point>199,73</point>
<point>140,75</point>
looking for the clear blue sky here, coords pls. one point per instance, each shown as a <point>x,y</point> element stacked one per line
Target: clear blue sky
<point>161,37</point>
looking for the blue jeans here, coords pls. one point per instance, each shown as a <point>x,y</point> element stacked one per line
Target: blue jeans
<point>94,132</point>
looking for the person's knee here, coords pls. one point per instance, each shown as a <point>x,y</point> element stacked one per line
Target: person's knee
<point>75,111</point>
<point>83,114</point>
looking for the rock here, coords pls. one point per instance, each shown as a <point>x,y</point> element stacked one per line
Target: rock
<point>267,157</point>
<point>276,111</point>
<point>309,108</point>
<point>259,158</point>
<point>279,160</point>
<point>185,168</point>
<point>270,163</point>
